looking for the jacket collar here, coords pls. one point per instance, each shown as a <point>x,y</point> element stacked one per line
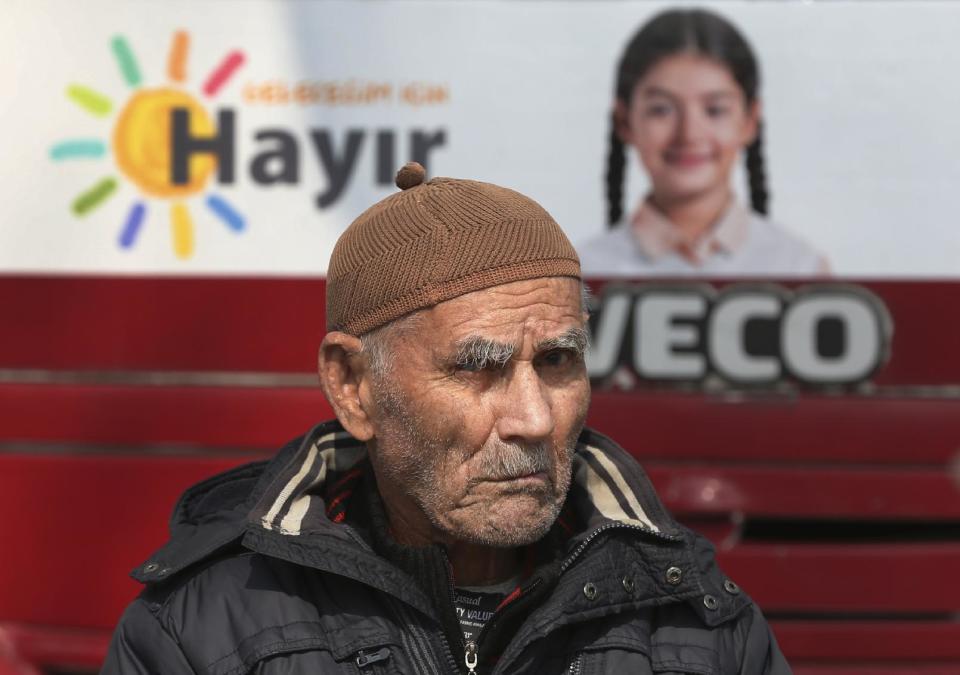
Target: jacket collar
<point>297,499</point>
<point>607,486</point>
<point>610,488</point>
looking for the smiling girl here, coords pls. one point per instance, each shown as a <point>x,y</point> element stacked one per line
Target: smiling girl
<point>687,102</point>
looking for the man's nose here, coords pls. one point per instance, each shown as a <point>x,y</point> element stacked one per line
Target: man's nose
<point>525,410</point>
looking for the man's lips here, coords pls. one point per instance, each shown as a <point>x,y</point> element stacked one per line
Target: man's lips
<point>529,477</point>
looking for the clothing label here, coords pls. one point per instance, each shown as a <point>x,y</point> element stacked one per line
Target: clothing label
<point>474,609</point>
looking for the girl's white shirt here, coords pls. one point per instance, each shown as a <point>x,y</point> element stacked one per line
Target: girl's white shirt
<point>741,244</point>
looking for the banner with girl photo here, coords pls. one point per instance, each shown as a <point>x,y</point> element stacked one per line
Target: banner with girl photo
<point>788,147</point>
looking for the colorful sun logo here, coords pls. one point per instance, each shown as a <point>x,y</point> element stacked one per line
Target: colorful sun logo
<point>141,144</point>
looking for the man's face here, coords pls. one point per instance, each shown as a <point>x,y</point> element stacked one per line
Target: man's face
<point>476,420</point>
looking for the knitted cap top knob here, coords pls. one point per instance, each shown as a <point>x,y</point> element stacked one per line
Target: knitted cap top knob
<point>411,175</point>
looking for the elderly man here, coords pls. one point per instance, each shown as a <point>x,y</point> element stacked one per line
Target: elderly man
<point>456,517</point>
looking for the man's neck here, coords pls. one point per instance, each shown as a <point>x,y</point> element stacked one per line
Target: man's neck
<point>476,565</point>
<point>473,564</point>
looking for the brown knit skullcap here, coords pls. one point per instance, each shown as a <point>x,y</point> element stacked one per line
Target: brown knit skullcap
<point>437,240</point>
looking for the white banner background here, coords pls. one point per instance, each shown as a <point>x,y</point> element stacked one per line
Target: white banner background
<point>861,102</point>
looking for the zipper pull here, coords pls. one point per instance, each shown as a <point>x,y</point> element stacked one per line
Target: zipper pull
<point>470,657</point>
<point>364,660</point>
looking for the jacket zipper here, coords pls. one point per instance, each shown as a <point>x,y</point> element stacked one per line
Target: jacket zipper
<point>576,665</point>
<point>471,665</point>
<point>472,648</point>
<point>365,660</point>
<point>448,653</point>
<point>565,565</point>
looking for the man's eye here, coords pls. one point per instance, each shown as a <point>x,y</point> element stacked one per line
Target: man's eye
<point>557,358</point>
<point>476,366</point>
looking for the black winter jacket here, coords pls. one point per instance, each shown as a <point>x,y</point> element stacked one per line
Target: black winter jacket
<point>272,570</point>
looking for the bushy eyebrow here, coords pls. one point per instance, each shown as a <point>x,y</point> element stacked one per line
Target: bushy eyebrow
<point>478,353</point>
<point>575,340</point>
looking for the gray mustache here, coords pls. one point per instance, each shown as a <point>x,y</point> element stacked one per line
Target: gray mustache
<point>508,461</point>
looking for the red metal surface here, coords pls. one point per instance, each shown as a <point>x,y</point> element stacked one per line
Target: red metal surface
<point>810,577</point>
<point>837,641</point>
<point>137,323</point>
<point>820,492</point>
<point>143,416</point>
<point>10,661</point>
<point>77,525</point>
<point>9,666</point>
<point>51,647</point>
<point>809,429</point>
<point>273,324</point>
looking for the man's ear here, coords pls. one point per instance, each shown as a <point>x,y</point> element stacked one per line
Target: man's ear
<point>344,376</point>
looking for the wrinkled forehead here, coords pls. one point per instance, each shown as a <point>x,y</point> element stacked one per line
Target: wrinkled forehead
<point>517,313</point>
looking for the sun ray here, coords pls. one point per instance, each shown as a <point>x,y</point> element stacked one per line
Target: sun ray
<point>226,213</point>
<point>222,73</point>
<point>126,60</point>
<point>92,101</point>
<point>78,148</point>
<point>177,61</point>
<point>92,198</point>
<point>182,230</point>
<point>135,132</point>
<point>131,227</point>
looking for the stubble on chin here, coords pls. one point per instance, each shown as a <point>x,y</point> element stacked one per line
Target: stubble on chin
<point>515,517</point>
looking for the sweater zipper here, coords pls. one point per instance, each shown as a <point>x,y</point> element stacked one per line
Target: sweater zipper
<point>472,647</point>
<point>470,656</point>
